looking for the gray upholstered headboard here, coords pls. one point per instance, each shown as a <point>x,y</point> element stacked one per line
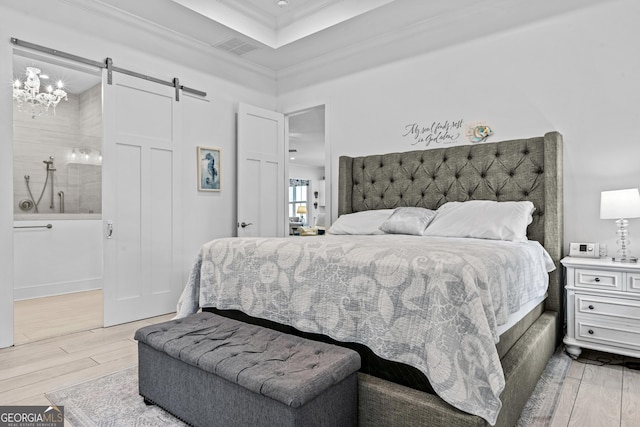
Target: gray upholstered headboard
<point>522,169</point>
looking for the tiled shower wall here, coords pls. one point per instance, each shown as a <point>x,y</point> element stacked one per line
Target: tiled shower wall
<point>77,123</point>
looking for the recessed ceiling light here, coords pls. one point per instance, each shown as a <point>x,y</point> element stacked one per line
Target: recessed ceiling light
<point>283,3</point>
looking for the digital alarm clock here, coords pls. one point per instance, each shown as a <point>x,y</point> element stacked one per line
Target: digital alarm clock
<point>585,250</point>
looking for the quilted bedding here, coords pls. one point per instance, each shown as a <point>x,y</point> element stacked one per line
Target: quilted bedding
<point>433,303</point>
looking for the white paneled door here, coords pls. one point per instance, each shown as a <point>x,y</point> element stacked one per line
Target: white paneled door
<point>261,173</point>
<point>141,199</point>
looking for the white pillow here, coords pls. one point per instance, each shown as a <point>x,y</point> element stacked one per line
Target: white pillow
<point>483,219</point>
<point>408,220</point>
<point>365,222</point>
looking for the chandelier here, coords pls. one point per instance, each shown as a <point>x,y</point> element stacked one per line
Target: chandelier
<point>29,98</point>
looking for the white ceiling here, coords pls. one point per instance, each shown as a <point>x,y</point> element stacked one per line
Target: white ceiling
<point>316,32</point>
<point>275,26</point>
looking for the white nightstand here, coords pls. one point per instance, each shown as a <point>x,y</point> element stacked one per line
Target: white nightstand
<point>603,306</point>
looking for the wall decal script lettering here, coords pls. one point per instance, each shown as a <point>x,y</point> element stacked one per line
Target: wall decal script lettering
<point>446,132</point>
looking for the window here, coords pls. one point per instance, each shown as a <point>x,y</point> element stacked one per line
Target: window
<point>298,195</point>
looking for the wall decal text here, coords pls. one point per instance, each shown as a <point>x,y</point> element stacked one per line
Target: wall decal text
<point>447,132</point>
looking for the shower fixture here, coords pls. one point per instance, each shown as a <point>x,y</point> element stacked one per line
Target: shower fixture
<point>50,169</point>
<point>32,202</point>
<point>26,204</point>
<point>61,195</point>
<point>49,164</point>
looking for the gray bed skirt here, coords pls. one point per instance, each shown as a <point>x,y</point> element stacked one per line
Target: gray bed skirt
<point>382,403</point>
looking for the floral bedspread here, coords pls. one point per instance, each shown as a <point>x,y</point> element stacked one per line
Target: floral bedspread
<point>433,303</point>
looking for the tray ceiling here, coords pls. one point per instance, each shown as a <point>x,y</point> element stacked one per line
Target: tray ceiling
<point>312,33</point>
<point>275,26</point>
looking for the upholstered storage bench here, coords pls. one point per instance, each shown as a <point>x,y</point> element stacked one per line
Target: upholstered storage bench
<point>208,370</point>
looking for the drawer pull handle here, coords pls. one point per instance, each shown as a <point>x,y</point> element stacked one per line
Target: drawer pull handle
<point>591,307</point>
<point>590,331</point>
<point>597,280</point>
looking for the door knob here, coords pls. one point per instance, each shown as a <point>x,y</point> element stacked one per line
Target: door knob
<point>245,224</point>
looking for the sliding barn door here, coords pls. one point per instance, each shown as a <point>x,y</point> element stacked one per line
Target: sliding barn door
<point>141,199</point>
<point>261,172</point>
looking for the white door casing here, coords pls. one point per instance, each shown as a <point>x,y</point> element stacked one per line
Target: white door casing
<point>6,211</point>
<point>141,199</point>
<point>261,172</point>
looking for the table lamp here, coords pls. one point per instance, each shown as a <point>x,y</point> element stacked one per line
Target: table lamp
<point>618,205</point>
<point>302,210</point>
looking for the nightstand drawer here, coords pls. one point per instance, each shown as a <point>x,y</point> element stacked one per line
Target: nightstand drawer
<point>611,307</point>
<point>609,334</point>
<point>603,306</point>
<point>633,282</point>
<point>598,279</point>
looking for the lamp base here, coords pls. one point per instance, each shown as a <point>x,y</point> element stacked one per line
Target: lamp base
<point>627,260</point>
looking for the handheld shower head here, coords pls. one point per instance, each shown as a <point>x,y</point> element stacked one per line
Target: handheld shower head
<point>49,164</point>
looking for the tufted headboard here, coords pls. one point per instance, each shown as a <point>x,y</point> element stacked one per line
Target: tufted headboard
<point>521,169</point>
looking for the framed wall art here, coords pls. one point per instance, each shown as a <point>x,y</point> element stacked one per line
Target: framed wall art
<point>209,169</point>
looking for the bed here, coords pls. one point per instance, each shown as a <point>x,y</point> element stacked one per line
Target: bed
<point>258,289</point>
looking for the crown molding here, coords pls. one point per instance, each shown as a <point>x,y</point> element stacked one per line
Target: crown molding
<point>277,22</point>
<point>223,60</point>
<point>303,12</point>
<point>252,13</point>
<point>479,21</point>
<point>377,51</point>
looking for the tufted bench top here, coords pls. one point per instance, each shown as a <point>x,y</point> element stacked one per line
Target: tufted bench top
<point>284,367</point>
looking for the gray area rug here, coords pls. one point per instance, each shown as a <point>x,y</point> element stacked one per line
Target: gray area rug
<point>110,401</point>
<point>539,410</point>
<point>113,400</point>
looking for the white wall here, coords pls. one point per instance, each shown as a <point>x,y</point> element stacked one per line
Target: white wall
<point>87,29</point>
<point>576,73</point>
<point>51,261</point>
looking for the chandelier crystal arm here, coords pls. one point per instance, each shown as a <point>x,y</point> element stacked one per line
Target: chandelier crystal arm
<point>28,97</point>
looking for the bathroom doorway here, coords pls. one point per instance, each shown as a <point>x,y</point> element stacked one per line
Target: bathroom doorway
<point>57,197</point>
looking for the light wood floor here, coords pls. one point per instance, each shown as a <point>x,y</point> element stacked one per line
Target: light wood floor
<point>50,355</point>
<point>591,396</point>
<point>36,319</point>
<point>594,395</point>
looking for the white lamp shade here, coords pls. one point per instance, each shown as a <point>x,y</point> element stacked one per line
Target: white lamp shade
<point>618,204</point>
<point>302,210</point>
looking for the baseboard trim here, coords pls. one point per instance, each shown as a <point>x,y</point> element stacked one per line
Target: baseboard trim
<point>51,289</point>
